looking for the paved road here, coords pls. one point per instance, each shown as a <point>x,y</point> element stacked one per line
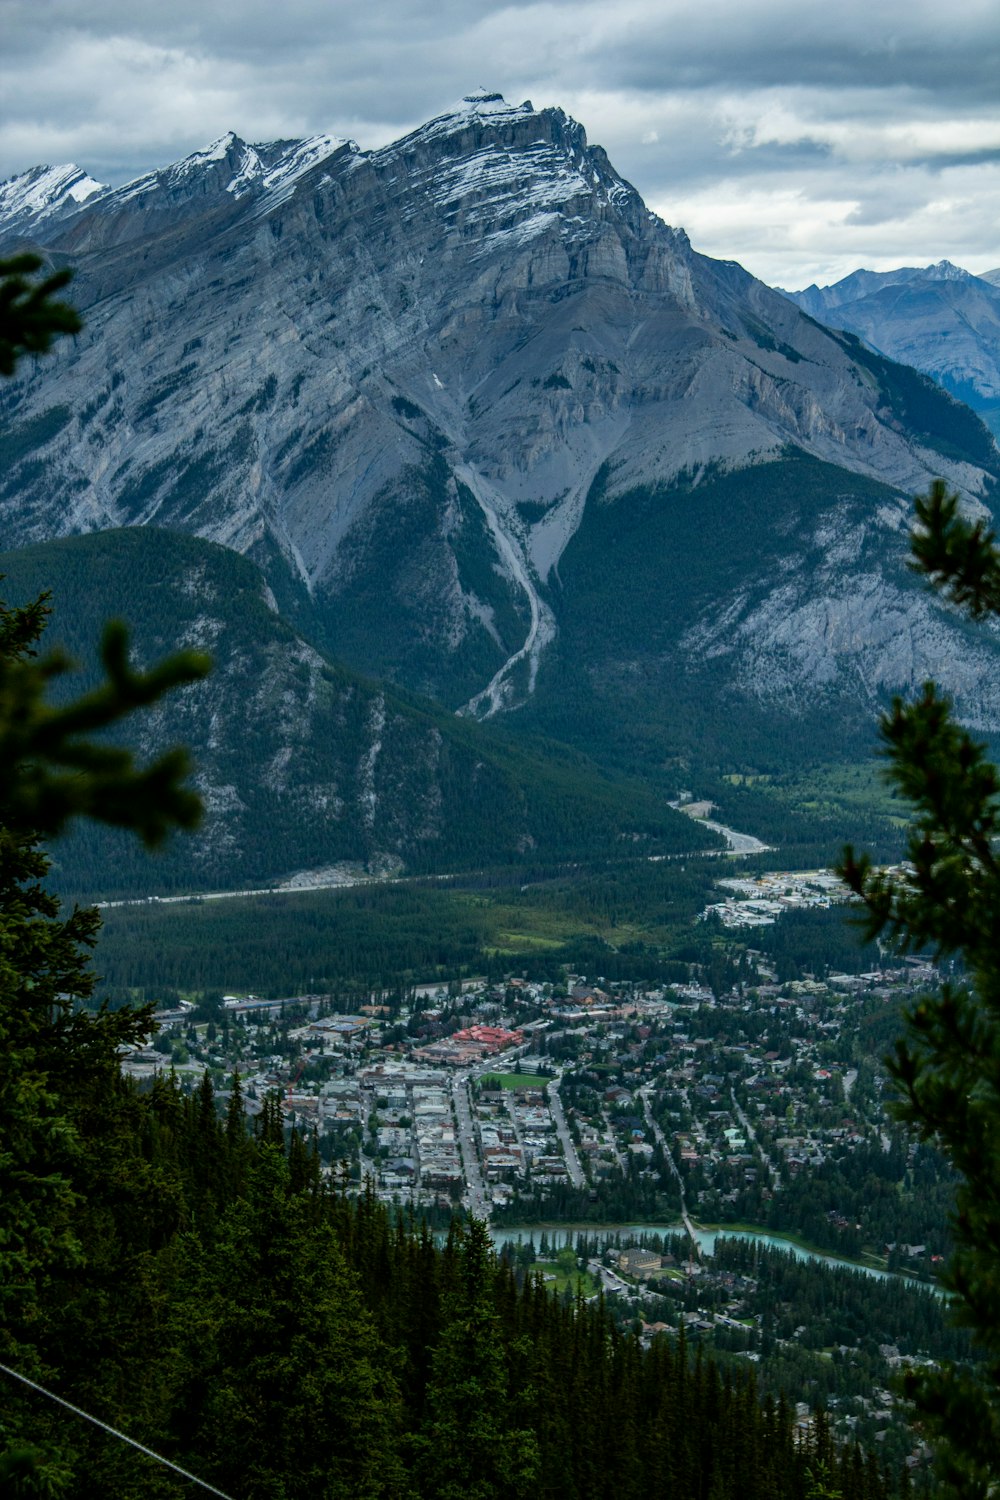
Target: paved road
<point>662,1141</point>
<point>475,1189</point>
<point>610,1280</point>
<point>336,880</point>
<point>366,1103</point>
<point>751,1135</point>
<point>576,1173</point>
<point>613,1143</point>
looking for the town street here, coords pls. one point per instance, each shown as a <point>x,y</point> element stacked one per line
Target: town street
<point>467,1145</point>
<point>751,1135</point>
<point>663,1142</point>
<point>576,1174</point>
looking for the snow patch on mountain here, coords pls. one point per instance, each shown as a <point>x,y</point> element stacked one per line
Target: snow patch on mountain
<point>499,179</point>
<point>481,105</point>
<point>278,180</point>
<point>43,193</point>
<point>501,691</point>
<point>266,174</point>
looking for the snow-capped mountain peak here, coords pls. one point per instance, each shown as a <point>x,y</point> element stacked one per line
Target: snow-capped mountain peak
<point>508,173</point>
<point>284,163</point>
<point>217,150</point>
<point>945,270</point>
<point>483,105</point>
<point>260,176</point>
<point>45,193</point>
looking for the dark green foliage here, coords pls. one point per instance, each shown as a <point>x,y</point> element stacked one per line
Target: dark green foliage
<point>136,491</point>
<point>475,553</point>
<point>54,769</point>
<point>264,399</point>
<point>48,1049</point>
<point>471,1444</point>
<point>817,942</point>
<point>26,439</point>
<point>161,392</point>
<point>531,511</point>
<point>947,1066</point>
<point>30,316</point>
<point>396,592</point>
<point>841,1306</point>
<point>314,455</point>
<point>406,408</point>
<point>281,945</point>
<point>379,935</point>
<point>285,1385</point>
<point>958,556</point>
<point>872,1210</point>
<point>764,339</point>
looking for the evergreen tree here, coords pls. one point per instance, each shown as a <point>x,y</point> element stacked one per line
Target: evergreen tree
<point>947,1065</point>
<point>285,1387</point>
<point>30,315</point>
<point>469,1448</point>
<point>56,1060</point>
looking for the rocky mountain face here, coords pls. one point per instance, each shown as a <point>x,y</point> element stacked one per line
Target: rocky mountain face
<point>494,431</point>
<point>940,319</point>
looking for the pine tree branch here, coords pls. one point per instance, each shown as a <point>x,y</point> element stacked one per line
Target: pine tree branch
<point>958,557</point>
<point>52,770</point>
<point>30,317</point>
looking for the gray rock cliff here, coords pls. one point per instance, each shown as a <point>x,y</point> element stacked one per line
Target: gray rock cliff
<point>410,381</point>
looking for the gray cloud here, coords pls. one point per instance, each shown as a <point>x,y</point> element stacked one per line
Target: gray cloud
<point>803,140</point>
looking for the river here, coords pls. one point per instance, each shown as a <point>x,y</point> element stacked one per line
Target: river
<point>706,1238</point>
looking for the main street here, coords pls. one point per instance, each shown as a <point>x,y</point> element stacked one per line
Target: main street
<point>475,1190</point>
<point>573,1167</point>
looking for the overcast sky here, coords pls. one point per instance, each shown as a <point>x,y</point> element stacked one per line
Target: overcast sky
<point>802,139</point>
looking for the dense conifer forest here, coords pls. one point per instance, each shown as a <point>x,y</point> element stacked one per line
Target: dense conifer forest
<point>210,1294</point>
<point>618,918</point>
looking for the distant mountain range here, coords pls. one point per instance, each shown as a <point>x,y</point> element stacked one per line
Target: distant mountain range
<point>496,434</point>
<point>940,319</point>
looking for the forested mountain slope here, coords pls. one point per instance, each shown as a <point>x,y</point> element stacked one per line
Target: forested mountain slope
<point>301,763</point>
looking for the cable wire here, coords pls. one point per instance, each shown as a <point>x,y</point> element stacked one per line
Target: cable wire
<point>79,1412</point>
